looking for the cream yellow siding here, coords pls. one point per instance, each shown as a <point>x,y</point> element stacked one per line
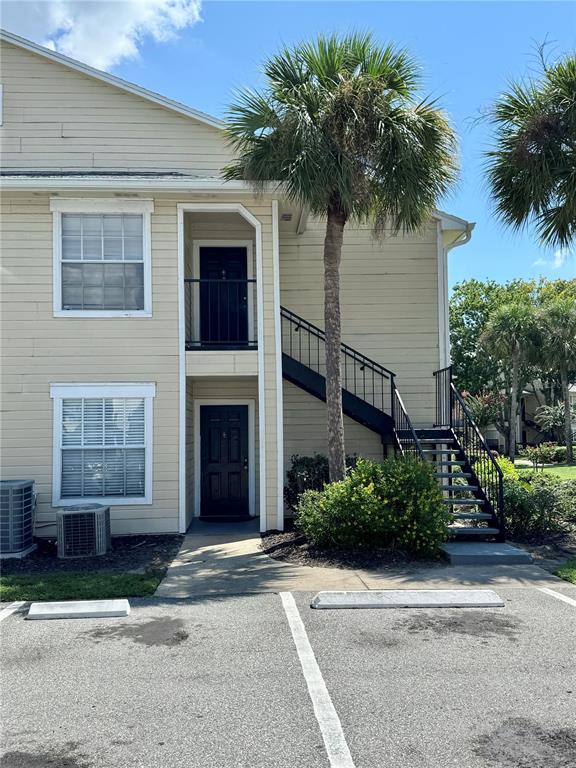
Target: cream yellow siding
<point>39,349</point>
<point>305,429</point>
<point>389,298</point>
<point>56,118</point>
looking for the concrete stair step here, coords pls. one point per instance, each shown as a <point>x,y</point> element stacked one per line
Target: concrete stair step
<point>464,502</point>
<point>448,461</point>
<point>439,450</point>
<point>459,488</point>
<point>463,475</point>
<point>472,516</point>
<point>484,553</point>
<point>463,530</point>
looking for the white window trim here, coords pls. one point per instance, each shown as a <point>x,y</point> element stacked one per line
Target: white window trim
<point>59,392</point>
<point>60,205</point>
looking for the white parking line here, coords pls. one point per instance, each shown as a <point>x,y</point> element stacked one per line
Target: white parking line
<point>12,608</point>
<point>326,715</point>
<point>558,595</point>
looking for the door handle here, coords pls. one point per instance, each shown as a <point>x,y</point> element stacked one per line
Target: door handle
<point>245,462</point>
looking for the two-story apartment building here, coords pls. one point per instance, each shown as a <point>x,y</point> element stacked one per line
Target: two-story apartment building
<point>161,328</point>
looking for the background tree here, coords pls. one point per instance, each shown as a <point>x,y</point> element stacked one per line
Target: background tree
<point>532,169</point>
<point>557,349</point>
<point>342,126</point>
<point>509,337</point>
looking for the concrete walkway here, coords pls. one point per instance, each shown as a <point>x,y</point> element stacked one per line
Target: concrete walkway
<point>227,560</point>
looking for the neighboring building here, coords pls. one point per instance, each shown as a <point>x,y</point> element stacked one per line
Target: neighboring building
<point>147,360</point>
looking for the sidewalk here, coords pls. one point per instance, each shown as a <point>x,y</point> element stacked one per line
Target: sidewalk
<point>227,560</point>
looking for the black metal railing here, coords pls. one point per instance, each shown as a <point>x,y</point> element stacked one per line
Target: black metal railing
<point>452,412</point>
<point>361,376</point>
<point>407,441</point>
<point>443,399</point>
<point>220,313</point>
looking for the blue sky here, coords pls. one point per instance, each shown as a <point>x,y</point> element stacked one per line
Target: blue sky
<point>468,51</point>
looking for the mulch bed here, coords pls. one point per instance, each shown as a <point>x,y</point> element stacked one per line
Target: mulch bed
<point>549,550</point>
<point>128,553</point>
<point>292,547</point>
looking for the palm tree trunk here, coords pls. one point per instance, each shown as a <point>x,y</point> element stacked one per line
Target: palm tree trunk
<point>513,409</point>
<point>567,415</point>
<point>332,324</point>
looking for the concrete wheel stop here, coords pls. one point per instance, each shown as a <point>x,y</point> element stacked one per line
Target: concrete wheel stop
<point>409,598</point>
<point>79,609</point>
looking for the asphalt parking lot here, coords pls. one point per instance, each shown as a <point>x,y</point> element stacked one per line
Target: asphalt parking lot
<point>219,682</point>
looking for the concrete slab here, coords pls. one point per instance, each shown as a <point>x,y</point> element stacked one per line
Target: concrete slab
<point>409,598</point>
<point>79,609</point>
<point>219,565</point>
<point>484,553</point>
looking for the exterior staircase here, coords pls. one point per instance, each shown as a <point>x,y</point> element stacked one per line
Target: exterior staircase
<point>454,446</point>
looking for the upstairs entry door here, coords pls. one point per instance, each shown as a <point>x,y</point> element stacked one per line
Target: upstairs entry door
<point>223,297</point>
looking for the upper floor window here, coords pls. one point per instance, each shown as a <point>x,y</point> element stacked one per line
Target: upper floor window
<point>102,258</point>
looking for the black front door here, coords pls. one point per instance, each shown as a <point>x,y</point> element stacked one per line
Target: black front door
<point>224,461</point>
<point>223,297</point>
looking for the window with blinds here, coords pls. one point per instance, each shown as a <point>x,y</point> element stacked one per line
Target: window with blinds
<point>102,262</point>
<point>103,444</point>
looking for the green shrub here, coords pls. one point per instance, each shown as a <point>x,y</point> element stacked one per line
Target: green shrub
<point>530,508</point>
<point>482,467</point>
<point>562,493</point>
<point>545,453</point>
<point>395,504</point>
<point>308,473</point>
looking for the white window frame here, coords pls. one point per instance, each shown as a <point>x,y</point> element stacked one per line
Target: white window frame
<point>59,392</point>
<point>58,206</point>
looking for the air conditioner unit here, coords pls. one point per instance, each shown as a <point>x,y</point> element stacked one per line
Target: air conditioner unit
<point>17,508</point>
<point>83,531</point>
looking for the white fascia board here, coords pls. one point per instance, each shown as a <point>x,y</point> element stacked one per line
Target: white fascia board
<point>146,185</point>
<point>137,90</point>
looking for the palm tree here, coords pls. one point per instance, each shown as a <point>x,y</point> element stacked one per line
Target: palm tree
<point>510,336</point>
<point>557,350</point>
<point>340,126</point>
<point>532,170</point>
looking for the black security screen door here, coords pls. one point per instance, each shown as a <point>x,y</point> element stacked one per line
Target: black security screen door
<point>223,297</point>
<point>224,461</point>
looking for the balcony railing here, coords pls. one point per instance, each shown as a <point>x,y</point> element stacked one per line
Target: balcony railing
<point>220,313</point>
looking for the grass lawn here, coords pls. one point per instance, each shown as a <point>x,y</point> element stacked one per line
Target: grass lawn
<point>568,570</point>
<point>563,471</point>
<point>78,585</point>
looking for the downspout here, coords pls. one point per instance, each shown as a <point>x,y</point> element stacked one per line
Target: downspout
<point>461,239</point>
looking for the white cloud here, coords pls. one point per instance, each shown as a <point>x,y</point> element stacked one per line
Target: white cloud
<point>101,33</point>
<point>559,258</point>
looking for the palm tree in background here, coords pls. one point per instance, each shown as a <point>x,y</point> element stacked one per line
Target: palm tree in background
<point>532,169</point>
<point>341,127</point>
<point>510,336</point>
<point>557,351</point>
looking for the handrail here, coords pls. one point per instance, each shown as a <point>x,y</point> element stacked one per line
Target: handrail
<point>320,334</point>
<point>452,412</point>
<point>219,313</point>
<point>405,443</point>
<point>476,428</point>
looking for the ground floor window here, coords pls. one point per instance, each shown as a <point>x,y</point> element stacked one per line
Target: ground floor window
<point>102,443</point>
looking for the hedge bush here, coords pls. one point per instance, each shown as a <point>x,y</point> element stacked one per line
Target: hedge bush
<point>396,504</point>
<point>482,467</point>
<point>538,504</point>
<point>545,453</point>
<point>308,473</point>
